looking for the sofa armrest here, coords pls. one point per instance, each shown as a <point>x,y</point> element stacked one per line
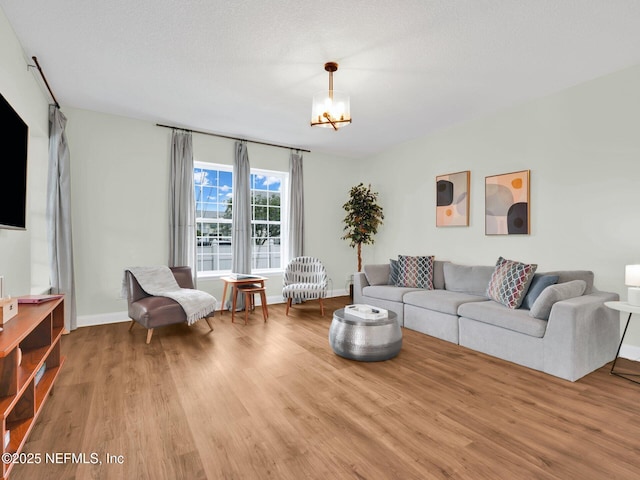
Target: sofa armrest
<point>582,335</point>
<point>359,282</point>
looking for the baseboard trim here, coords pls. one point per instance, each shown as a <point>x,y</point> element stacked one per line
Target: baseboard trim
<point>102,319</point>
<point>631,352</point>
<point>119,317</point>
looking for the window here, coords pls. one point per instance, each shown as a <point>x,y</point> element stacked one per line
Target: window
<point>214,213</point>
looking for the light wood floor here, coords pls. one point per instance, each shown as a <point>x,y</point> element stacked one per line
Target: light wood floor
<point>272,401</point>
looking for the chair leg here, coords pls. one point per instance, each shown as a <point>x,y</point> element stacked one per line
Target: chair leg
<point>149,333</point>
<point>263,301</point>
<point>208,320</point>
<point>133,322</point>
<point>247,305</point>
<point>321,306</point>
<point>288,306</point>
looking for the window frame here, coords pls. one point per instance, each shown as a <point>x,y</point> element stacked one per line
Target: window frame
<point>284,216</point>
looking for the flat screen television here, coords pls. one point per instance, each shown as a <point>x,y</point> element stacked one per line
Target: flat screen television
<point>14,142</point>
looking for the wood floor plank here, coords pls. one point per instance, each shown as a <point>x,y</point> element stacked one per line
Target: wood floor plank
<point>272,401</point>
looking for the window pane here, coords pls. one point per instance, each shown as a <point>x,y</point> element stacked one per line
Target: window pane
<point>274,232</point>
<point>260,207</point>
<point>275,184</point>
<point>274,214</point>
<point>225,231</point>
<point>274,199</point>
<point>260,233</point>
<point>225,180</point>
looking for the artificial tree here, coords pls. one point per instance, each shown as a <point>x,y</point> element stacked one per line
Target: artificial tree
<point>363,218</point>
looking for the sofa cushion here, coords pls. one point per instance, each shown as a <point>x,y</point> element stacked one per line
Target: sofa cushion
<point>494,313</point>
<point>538,284</point>
<point>555,293</point>
<point>387,292</point>
<point>443,301</point>
<point>569,275</point>
<point>377,274</point>
<point>467,279</point>
<point>415,272</point>
<point>510,281</point>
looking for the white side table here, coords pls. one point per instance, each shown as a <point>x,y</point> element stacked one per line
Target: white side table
<point>630,309</point>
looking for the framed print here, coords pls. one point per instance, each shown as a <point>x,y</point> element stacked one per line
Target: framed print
<point>506,204</point>
<point>452,199</point>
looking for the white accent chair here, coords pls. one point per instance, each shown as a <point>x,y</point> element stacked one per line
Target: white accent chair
<point>305,278</point>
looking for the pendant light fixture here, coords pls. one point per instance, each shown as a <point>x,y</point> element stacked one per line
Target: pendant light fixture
<point>330,109</point>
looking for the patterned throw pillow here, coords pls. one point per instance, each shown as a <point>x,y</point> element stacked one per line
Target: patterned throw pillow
<point>510,281</point>
<point>416,272</point>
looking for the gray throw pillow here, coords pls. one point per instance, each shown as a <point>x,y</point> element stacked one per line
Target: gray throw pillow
<point>555,293</point>
<point>393,272</point>
<point>538,284</point>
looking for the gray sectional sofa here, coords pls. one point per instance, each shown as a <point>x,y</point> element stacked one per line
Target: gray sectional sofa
<point>579,336</point>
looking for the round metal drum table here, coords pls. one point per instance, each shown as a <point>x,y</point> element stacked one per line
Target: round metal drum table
<point>365,340</point>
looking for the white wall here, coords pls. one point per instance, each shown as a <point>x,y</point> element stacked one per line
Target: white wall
<point>582,146</point>
<point>23,254</point>
<point>120,177</point>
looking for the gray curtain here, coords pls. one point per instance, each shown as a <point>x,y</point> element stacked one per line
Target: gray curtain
<point>296,206</point>
<point>241,219</point>
<point>59,216</point>
<point>182,207</point>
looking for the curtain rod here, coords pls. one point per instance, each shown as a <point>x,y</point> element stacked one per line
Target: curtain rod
<point>45,81</point>
<point>232,138</point>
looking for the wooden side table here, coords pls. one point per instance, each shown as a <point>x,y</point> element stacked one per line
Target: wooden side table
<point>250,290</point>
<point>234,282</point>
<point>630,309</point>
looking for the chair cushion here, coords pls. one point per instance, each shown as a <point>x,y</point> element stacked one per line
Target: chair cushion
<point>154,312</point>
<point>304,291</point>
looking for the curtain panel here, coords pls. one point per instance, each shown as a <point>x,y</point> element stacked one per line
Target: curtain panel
<point>59,216</point>
<point>296,206</point>
<point>182,206</point>
<point>241,218</point>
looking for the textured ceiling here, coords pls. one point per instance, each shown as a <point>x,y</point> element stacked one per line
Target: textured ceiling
<point>249,68</point>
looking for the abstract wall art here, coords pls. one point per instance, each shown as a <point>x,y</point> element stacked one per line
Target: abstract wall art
<point>507,204</point>
<point>452,199</point>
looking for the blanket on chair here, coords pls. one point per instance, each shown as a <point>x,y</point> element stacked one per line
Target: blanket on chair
<point>160,282</point>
